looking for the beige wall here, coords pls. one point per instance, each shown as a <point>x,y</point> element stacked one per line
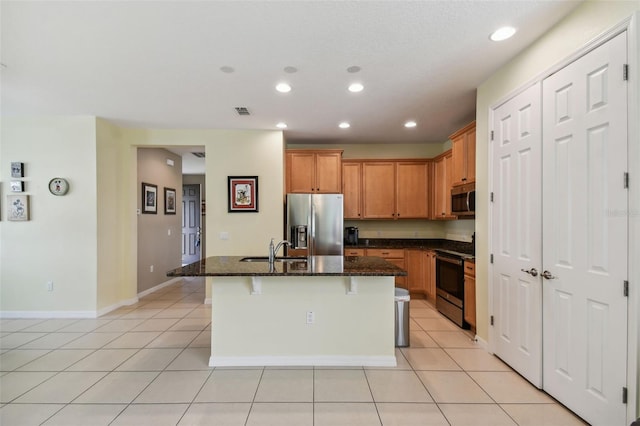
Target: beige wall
<point>159,235</point>
<point>59,243</point>
<point>113,235</point>
<point>86,242</point>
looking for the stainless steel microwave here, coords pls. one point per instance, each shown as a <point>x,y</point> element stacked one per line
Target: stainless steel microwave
<point>463,200</point>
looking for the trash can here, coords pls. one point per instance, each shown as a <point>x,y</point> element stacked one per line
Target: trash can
<point>402,317</point>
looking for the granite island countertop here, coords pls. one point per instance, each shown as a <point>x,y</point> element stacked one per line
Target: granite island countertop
<point>229,266</point>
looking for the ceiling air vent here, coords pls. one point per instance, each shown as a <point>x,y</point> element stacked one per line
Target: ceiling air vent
<point>198,154</point>
<point>242,111</point>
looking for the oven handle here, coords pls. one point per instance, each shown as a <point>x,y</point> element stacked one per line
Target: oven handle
<point>450,260</point>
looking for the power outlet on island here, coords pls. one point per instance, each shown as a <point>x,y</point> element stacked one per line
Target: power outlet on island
<point>311,317</point>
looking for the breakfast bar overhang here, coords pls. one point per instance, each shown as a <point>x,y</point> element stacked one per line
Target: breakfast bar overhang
<point>320,311</point>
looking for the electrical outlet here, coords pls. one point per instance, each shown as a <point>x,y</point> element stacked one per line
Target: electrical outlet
<point>224,235</point>
<point>49,285</point>
<point>311,317</point>
<point>169,232</point>
<point>151,268</point>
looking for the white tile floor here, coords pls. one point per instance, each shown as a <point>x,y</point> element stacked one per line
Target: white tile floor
<point>147,365</point>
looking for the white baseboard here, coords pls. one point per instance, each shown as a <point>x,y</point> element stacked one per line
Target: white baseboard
<point>330,361</point>
<point>482,343</point>
<point>87,314</point>
<point>158,287</point>
<point>207,301</point>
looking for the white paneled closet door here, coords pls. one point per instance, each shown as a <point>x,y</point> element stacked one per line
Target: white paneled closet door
<point>584,235</point>
<point>516,222</point>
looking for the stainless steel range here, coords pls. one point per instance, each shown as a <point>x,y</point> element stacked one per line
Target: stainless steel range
<point>450,286</point>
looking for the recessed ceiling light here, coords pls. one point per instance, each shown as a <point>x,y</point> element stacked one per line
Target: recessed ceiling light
<point>283,88</point>
<point>410,124</point>
<point>356,87</point>
<point>502,33</point>
<point>344,125</point>
<point>281,125</point>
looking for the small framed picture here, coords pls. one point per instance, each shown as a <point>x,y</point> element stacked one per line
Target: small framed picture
<point>17,186</point>
<point>17,169</point>
<point>149,198</point>
<point>169,201</point>
<point>18,207</point>
<point>243,194</point>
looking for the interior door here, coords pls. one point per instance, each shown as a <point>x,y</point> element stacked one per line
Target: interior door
<point>516,228</point>
<point>191,231</point>
<point>584,240</point>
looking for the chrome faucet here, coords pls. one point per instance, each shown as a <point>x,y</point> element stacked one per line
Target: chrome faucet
<point>273,250</point>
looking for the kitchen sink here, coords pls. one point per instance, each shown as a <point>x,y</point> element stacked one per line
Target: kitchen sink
<point>277,259</point>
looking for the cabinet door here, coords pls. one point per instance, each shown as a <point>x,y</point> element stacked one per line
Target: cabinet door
<point>378,181</point>
<point>470,300</point>
<point>353,252</point>
<point>471,155</point>
<point>412,193</point>
<point>431,275</point>
<point>459,159</point>
<point>328,173</point>
<point>352,189</point>
<point>448,159</point>
<point>400,281</point>
<point>442,187</point>
<point>415,261</point>
<point>301,172</point>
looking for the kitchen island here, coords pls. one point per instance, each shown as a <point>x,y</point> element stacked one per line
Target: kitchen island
<point>324,310</point>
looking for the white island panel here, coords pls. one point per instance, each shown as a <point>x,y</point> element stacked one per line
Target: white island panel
<point>270,328</point>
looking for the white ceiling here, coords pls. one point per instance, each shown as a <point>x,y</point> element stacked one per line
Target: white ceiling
<point>157,64</point>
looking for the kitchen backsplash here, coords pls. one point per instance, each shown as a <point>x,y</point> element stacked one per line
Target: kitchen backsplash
<point>457,230</point>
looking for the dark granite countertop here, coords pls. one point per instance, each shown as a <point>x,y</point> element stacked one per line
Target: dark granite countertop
<point>229,266</point>
<point>460,247</point>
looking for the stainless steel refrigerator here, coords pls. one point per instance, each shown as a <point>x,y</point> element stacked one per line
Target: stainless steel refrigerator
<point>315,224</point>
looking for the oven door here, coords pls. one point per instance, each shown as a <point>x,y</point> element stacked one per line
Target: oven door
<point>450,279</point>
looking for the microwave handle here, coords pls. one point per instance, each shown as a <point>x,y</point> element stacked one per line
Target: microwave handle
<point>468,201</point>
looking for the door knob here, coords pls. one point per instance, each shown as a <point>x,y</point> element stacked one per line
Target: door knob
<point>533,272</point>
<point>548,275</point>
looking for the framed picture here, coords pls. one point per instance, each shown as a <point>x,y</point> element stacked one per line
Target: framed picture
<point>17,186</point>
<point>17,169</point>
<point>149,198</point>
<point>169,201</point>
<point>18,207</point>
<point>243,194</point>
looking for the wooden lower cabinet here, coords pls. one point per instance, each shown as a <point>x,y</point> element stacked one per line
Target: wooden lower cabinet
<point>470,293</point>
<point>354,252</point>
<point>430,268</point>
<point>395,256</point>
<point>416,268</point>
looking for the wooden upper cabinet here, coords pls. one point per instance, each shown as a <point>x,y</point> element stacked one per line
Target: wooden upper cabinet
<point>386,189</point>
<point>314,172</point>
<point>378,190</point>
<point>463,147</point>
<point>442,183</point>
<point>412,189</point>
<point>352,189</point>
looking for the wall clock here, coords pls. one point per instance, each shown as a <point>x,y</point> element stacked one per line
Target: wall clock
<point>58,186</point>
